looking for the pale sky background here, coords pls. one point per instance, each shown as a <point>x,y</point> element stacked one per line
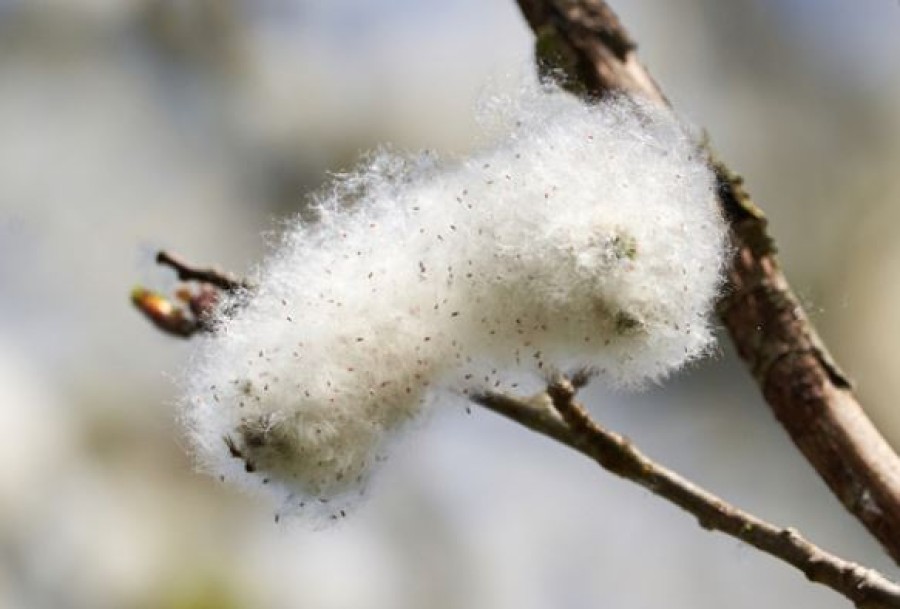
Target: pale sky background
<point>201,125</point>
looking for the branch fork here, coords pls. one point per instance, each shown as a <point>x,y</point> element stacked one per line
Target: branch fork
<point>805,389</point>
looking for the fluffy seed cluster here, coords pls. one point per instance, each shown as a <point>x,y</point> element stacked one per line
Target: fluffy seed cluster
<point>589,235</point>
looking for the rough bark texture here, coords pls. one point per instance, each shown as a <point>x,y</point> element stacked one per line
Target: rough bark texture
<point>584,40</point>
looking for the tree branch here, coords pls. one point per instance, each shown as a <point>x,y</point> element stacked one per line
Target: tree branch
<point>803,386</point>
<point>556,414</point>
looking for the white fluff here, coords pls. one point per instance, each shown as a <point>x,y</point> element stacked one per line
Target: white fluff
<point>586,236</point>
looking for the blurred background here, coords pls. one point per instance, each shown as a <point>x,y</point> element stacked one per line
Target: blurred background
<point>201,125</point>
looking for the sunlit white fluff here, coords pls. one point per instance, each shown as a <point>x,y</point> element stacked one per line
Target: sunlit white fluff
<point>584,236</point>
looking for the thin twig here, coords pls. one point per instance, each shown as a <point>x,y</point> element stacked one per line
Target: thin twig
<point>188,272</point>
<point>559,416</point>
<point>803,386</point>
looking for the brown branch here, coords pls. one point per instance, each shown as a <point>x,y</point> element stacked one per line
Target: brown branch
<point>803,386</point>
<point>556,414</point>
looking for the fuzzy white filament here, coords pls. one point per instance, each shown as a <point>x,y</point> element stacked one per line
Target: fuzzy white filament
<point>588,236</point>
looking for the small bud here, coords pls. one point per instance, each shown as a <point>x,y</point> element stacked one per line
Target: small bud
<point>164,315</point>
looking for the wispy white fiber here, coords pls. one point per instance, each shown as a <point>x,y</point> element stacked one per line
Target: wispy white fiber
<point>588,235</point>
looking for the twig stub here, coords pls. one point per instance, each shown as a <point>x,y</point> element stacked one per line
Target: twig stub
<point>187,272</point>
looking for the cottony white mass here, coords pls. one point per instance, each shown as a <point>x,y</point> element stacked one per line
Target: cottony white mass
<point>588,235</point>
